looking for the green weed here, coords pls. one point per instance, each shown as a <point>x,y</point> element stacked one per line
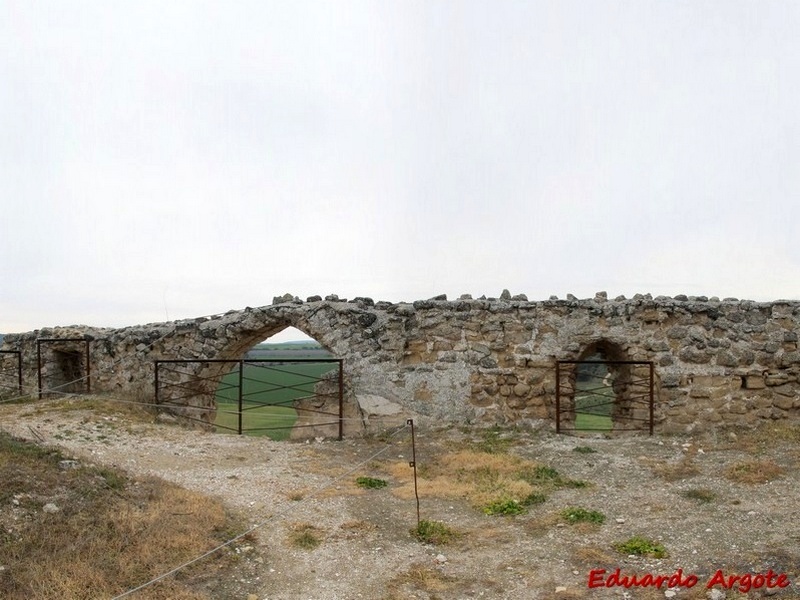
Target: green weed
<point>434,532</point>
<point>371,483</point>
<point>641,546</point>
<point>576,514</point>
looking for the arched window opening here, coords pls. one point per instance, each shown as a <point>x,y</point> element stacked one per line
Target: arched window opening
<point>603,391</point>
<point>282,383</point>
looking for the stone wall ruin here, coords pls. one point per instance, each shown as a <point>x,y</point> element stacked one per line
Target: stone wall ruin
<point>717,362</point>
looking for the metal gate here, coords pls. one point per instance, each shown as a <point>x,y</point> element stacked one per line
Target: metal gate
<point>10,373</point>
<point>254,396</point>
<point>604,395</point>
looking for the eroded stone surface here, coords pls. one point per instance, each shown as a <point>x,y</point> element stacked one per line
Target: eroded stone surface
<point>730,362</point>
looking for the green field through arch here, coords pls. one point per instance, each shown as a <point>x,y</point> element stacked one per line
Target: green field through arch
<point>594,397</point>
<point>269,390</point>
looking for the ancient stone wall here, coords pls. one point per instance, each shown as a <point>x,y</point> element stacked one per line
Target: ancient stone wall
<point>717,362</point>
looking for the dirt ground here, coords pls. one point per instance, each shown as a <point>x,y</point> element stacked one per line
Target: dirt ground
<point>721,505</point>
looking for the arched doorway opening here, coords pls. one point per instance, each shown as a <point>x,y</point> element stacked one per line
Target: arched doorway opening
<point>603,392</point>
<point>283,384</point>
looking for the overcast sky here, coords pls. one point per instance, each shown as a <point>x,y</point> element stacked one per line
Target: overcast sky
<point>163,160</point>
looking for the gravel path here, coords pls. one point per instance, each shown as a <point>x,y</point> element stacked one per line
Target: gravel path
<point>640,483</point>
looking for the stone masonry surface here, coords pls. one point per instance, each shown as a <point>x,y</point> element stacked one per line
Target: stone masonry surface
<point>491,360</point>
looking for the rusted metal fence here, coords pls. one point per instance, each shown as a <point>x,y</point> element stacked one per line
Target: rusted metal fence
<point>10,373</point>
<point>254,396</point>
<point>604,396</point>
<point>63,366</point>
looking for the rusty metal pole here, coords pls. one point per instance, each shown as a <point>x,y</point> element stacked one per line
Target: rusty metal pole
<point>413,464</point>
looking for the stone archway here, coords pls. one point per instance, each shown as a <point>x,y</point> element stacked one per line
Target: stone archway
<point>602,390</point>
<point>282,389</point>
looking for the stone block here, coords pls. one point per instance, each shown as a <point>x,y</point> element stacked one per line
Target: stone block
<point>522,389</point>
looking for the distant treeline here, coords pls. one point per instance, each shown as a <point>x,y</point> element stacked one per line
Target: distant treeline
<point>304,349</point>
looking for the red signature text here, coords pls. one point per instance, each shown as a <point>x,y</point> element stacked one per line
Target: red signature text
<point>599,578</point>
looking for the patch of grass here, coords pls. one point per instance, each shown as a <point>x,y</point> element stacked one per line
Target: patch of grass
<point>753,472</point>
<point>548,476</point>
<point>641,546</point>
<point>576,514</point>
<point>533,498</point>
<point>371,483</point>
<point>504,506</point>
<point>434,532</point>
<point>494,483</point>
<point>110,534</point>
<point>589,422</point>
<point>510,506</point>
<point>418,578</point>
<point>683,468</point>
<point>493,442</point>
<point>584,450</point>
<point>700,494</point>
<point>305,536</point>
<point>274,422</point>
<point>114,480</point>
<point>594,556</point>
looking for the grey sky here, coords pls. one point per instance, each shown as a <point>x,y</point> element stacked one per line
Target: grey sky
<point>174,159</point>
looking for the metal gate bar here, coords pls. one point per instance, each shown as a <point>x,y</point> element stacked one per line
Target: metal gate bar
<point>631,399</point>
<point>188,382</point>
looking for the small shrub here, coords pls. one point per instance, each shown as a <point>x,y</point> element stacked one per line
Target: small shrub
<point>576,514</point>
<point>504,506</point>
<point>641,546</point>
<point>113,479</point>
<point>533,498</point>
<point>371,483</point>
<point>699,494</point>
<point>434,532</point>
<point>683,469</point>
<point>305,536</point>
<point>544,475</point>
<point>584,450</point>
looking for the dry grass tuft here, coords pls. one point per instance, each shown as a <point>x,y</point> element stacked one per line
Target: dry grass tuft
<point>484,479</point>
<point>109,534</point>
<point>419,577</point>
<point>683,468</point>
<point>753,471</point>
<point>594,556</point>
<point>703,495</point>
<point>305,536</point>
